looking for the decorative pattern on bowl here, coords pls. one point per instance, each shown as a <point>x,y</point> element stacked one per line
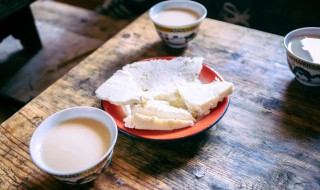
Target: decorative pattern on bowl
<point>180,35</point>
<point>177,41</point>
<point>88,175</point>
<point>306,73</point>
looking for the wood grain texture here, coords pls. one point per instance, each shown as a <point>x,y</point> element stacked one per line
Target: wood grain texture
<point>268,139</point>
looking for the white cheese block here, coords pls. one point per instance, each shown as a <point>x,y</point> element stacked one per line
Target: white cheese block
<point>172,97</point>
<point>145,80</point>
<point>159,75</point>
<point>161,110</point>
<point>139,121</point>
<point>120,89</point>
<point>200,98</point>
<point>126,110</point>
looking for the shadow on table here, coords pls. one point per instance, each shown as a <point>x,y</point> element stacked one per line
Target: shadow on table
<point>301,103</point>
<point>155,158</point>
<point>159,49</point>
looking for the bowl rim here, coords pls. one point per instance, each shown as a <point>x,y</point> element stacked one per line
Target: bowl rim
<point>32,145</point>
<point>188,2</point>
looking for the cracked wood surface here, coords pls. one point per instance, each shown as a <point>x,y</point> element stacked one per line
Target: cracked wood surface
<point>268,139</point>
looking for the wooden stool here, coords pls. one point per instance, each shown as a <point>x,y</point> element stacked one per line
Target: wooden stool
<point>16,19</point>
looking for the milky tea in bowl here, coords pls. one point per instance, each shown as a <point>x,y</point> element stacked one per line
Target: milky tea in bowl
<point>177,21</point>
<point>303,54</point>
<point>85,139</point>
<point>74,145</point>
<point>176,17</point>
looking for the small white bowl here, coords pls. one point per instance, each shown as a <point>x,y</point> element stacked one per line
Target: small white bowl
<point>177,36</point>
<point>306,72</point>
<point>86,174</point>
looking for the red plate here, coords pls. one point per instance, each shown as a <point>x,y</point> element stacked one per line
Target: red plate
<point>206,75</point>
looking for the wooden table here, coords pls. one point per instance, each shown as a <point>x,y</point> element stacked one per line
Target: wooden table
<point>268,139</point>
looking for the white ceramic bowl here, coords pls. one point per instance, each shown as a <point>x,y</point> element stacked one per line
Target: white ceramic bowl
<point>85,174</point>
<point>305,71</point>
<point>177,36</point>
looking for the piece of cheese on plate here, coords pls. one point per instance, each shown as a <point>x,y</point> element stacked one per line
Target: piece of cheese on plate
<point>158,115</point>
<point>161,110</point>
<point>158,75</point>
<point>120,89</point>
<point>200,98</point>
<point>172,97</point>
<point>145,80</point>
<point>139,121</point>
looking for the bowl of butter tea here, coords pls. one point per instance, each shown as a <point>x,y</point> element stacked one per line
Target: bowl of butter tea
<point>303,54</point>
<point>74,145</point>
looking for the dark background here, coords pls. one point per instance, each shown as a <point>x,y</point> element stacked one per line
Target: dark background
<point>274,16</point>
